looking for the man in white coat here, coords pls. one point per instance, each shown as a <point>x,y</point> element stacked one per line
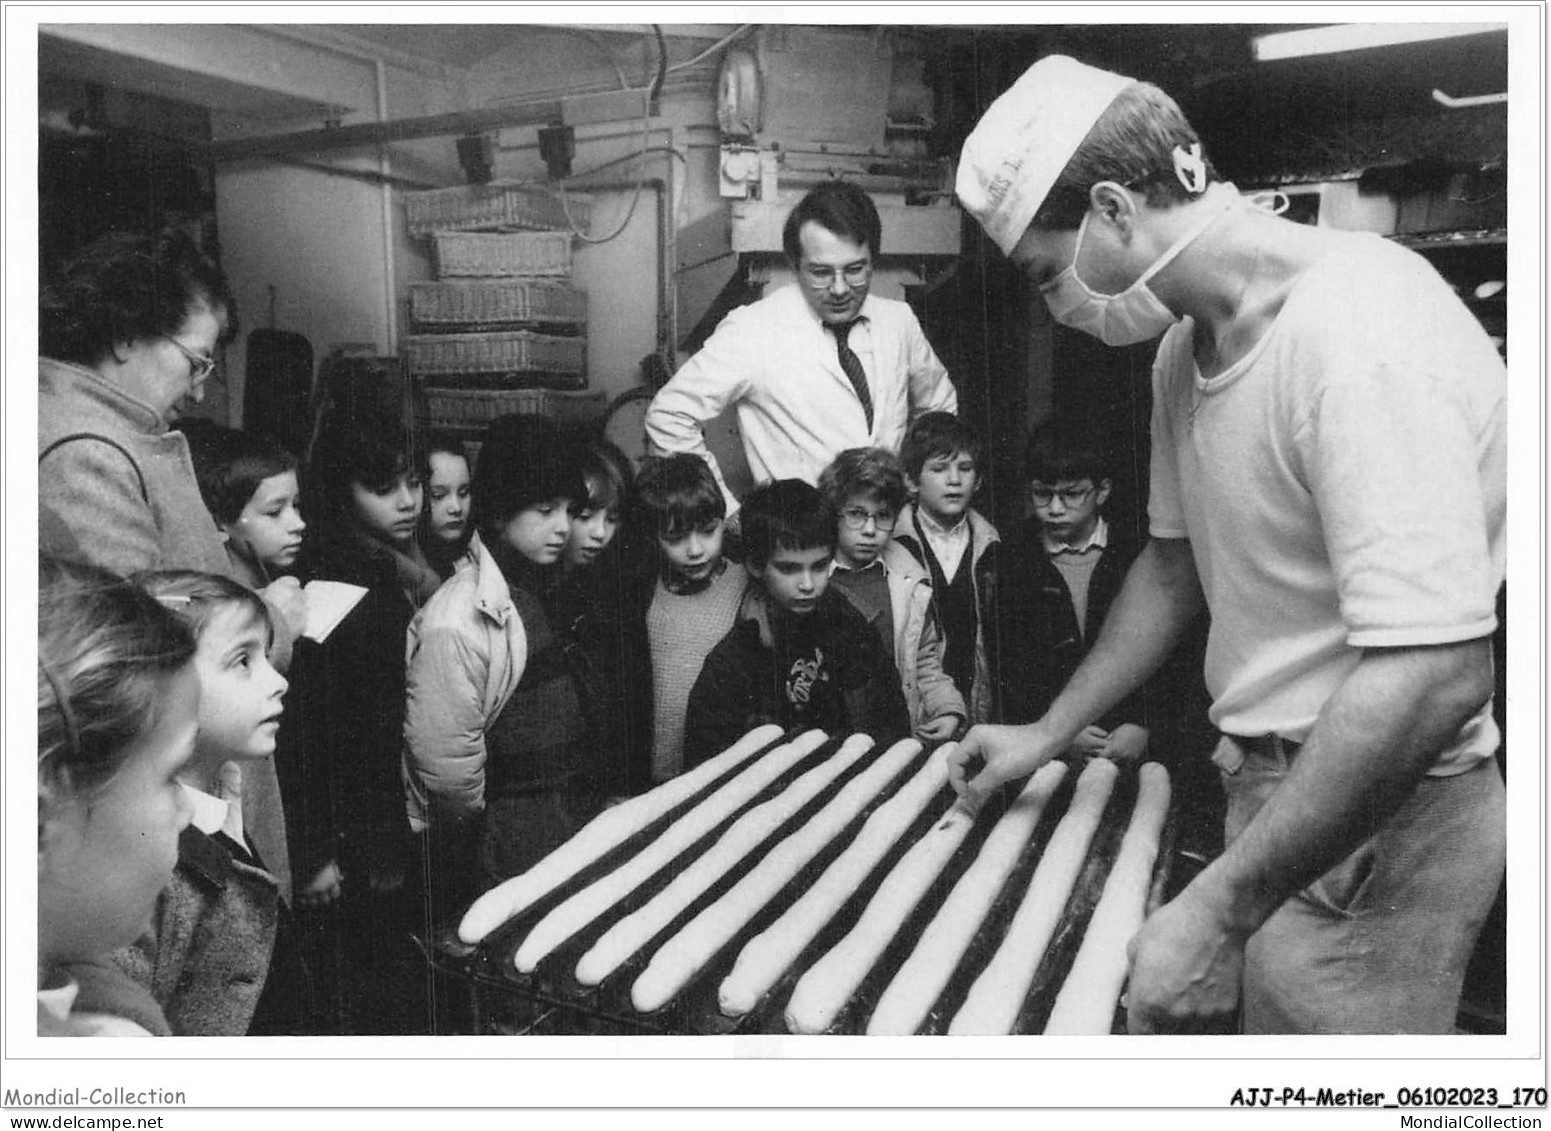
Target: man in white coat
<point>812,369</point>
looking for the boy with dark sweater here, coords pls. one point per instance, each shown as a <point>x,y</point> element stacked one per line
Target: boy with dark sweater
<point>801,656</point>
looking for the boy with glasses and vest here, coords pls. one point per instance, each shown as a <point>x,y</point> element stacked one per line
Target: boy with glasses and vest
<point>866,486</point>
<point>1070,566</point>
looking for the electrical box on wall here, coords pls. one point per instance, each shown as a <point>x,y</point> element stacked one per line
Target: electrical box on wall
<point>824,87</point>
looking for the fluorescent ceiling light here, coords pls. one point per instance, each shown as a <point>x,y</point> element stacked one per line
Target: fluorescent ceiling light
<point>1353,37</point>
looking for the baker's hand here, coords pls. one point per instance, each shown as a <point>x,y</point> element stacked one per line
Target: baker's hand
<point>1126,743</point>
<point>1186,969</point>
<point>1008,752</point>
<point>285,595</point>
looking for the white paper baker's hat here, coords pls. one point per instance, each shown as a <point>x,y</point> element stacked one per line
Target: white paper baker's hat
<point>1023,141</point>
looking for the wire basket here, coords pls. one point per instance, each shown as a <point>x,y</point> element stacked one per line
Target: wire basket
<point>488,208</point>
<point>472,409</point>
<point>501,351</point>
<point>496,302</point>
<point>483,254</point>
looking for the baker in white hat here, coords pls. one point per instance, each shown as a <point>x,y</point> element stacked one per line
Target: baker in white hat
<point>1328,477</point>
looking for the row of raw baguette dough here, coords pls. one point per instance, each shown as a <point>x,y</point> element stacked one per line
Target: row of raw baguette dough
<point>690,948</point>
<point>769,954</point>
<point>1087,998</point>
<point>904,1003</point>
<point>996,996</point>
<point>747,833</point>
<point>1086,1002</point>
<point>605,832</point>
<point>586,905</point>
<point>826,987</point>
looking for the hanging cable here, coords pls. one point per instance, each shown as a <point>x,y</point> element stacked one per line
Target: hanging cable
<point>712,50</point>
<point>662,64</point>
<point>646,133</point>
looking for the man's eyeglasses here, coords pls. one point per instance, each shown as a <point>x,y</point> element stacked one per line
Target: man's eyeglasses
<point>856,518</point>
<point>200,365</point>
<point>822,278</point>
<point>1070,496</point>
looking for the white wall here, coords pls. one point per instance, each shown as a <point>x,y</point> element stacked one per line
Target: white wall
<point>339,262</point>
<point>318,239</point>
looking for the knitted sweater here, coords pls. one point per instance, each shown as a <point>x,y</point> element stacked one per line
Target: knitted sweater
<point>682,629</point>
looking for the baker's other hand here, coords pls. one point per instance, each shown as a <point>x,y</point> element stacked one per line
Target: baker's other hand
<point>1187,965</point>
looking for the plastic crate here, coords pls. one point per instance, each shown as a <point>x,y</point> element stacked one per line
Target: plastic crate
<point>501,351</point>
<point>496,302</point>
<point>484,254</point>
<point>472,409</point>
<point>490,208</point>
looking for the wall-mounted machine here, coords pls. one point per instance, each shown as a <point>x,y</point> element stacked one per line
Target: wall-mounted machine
<point>801,105</point>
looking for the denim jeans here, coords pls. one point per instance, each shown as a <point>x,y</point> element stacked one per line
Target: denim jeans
<point>1380,942</point>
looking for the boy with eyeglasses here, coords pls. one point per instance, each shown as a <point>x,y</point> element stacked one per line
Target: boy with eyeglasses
<point>866,486</point>
<point>813,368</point>
<point>1071,565</point>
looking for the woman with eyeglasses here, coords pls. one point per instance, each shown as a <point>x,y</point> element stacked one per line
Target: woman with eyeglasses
<point>128,331</point>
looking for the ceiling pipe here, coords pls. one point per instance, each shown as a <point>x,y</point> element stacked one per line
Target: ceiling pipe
<point>1468,100</point>
<point>383,133</point>
<point>389,259</point>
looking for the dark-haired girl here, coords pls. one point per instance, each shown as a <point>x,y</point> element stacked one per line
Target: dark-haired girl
<point>339,756</point>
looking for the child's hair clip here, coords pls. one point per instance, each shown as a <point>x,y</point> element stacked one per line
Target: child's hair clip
<point>1190,168</point>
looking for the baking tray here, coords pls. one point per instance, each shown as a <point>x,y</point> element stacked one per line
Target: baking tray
<point>549,1000</point>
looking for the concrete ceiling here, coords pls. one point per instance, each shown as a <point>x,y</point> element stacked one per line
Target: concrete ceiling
<point>1208,67</point>
<point>461,46</point>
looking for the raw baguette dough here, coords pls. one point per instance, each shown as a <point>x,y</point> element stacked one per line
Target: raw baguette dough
<point>600,835</point>
<point>682,956</point>
<point>593,900</point>
<point>766,956</point>
<point>937,953</point>
<point>1086,1003</point>
<point>749,831</point>
<point>997,996</point>
<point>822,992</point>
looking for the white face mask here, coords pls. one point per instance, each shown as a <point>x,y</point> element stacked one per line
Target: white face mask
<point>1135,314</point>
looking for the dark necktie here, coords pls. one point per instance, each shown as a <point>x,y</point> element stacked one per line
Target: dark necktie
<point>853,368</point>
